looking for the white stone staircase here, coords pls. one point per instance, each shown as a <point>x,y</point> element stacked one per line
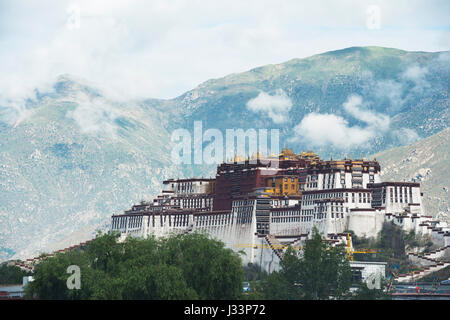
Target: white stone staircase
<point>431,257</point>
<point>431,262</point>
<point>275,245</point>
<point>422,273</point>
<point>279,248</point>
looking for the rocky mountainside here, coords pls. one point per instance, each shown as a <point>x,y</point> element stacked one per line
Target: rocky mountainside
<point>72,156</point>
<point>426,161</point>
<point>77,159</point>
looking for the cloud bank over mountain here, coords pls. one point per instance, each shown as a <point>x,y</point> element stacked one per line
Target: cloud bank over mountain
<point>94,115</point>
<point>132,48</point>
<point>276,106</point>
<point>323,129</point>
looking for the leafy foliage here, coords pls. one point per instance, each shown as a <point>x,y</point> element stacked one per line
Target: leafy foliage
<point>364,293</point>
<point>391,245</point>
<point>253,272</point>
<point>188,266</point>
<point>321,273</point>
<point>11,274</point>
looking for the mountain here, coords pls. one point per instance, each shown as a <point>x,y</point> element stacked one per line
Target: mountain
<point>72,156</point>
<point>426,161</point>
<point>408,89</point>
<point>77,159</point>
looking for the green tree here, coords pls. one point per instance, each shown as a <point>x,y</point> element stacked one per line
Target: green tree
<point>253,272</point>
<point>50,277</point>
<point>364,293</point>
<point>277,287</point>
<point>10,274</point>
<point>105,253</point>
<point>212,270</point>
<point>321,272</point>
<point>324,271</point>
<point>392,240</point>
<point>189,266</point>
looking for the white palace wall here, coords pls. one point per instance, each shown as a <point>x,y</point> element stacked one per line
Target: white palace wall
<point>366,222</point>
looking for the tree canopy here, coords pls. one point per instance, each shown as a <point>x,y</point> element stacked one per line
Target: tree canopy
<point>193,266</point>
<point>189,266</point>
<point>10,274</point>
<point>319,272</point>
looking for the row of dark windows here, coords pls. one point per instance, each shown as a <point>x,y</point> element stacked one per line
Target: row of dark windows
<point>121,222</point>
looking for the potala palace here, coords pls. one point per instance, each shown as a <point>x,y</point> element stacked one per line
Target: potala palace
<point>261,205</point>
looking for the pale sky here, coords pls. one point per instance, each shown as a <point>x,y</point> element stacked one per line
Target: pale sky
<point>162,48</point>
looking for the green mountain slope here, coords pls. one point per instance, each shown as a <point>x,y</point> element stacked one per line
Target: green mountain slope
<point>411,88</point>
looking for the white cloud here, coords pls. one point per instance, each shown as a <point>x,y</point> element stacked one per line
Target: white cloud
<point>13,112</point>
<point>134,46</point>
<point>374,120</point>
<point>405,135</point>
<point>333,130</point>
<point>417,74</point>
<point>160,49</point>
<point>94,116</point>
<point>390,89</point>
<point>275,107</point>
<point>329,129</point>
